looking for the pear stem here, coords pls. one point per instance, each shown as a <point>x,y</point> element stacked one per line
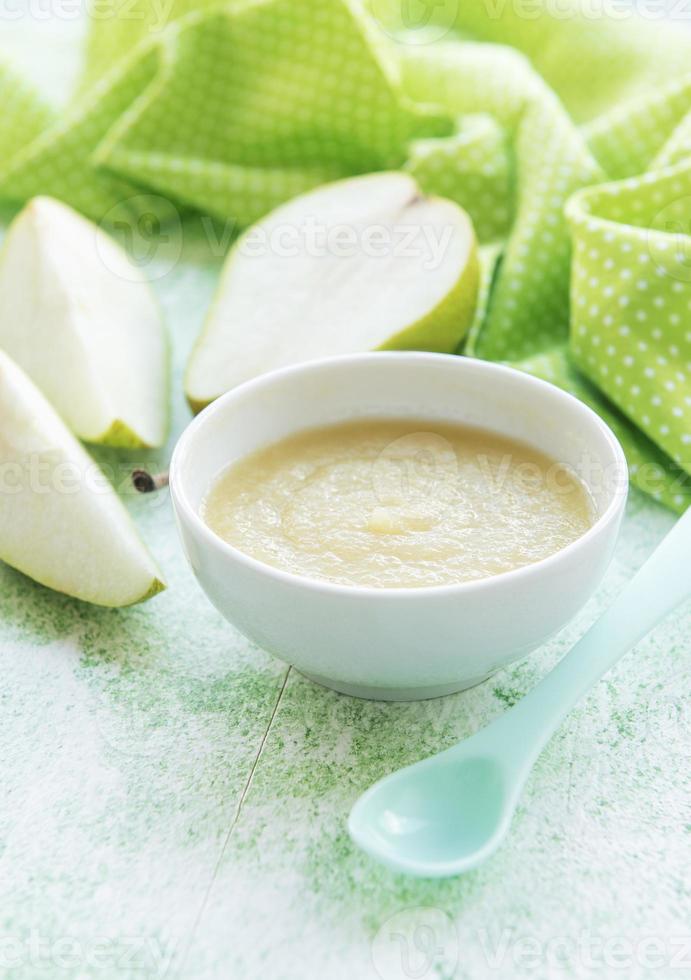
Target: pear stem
<point>145,482</point>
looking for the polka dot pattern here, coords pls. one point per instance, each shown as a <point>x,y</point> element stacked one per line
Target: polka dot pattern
<point>677,149</point>
<point>110,38</point>
<point>627,140</point>
<point>57,162</point>
<point>489,260</point>
<point>529,305</point>
<point>291,95</point>
<point>23,116</point>
<point>650,469</point>
<point>473,168</point>
<point>593,61</point>
<point>631,301</point>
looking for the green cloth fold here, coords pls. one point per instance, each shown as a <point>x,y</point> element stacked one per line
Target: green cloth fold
<point>23,117</point>
<point>567,138</point>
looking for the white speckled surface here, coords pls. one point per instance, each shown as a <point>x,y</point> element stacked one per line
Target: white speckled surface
<point>174,801</point>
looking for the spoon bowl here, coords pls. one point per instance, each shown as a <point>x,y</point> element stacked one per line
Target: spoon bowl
<point>458,804</point>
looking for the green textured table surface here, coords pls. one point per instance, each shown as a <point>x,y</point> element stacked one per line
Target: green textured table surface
<point>174,800</point>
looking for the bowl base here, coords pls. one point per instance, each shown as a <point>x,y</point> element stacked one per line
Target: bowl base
<point>396,693</point>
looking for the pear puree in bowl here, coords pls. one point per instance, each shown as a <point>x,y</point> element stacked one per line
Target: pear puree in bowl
<point>386,503</point>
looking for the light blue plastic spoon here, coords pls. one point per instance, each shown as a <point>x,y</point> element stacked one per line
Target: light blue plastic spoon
<point>449,813</point>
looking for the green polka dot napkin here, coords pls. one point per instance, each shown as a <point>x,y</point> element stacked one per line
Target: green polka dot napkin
<point>631,300</point>
<point>23,116</point>
<point>567,138</point>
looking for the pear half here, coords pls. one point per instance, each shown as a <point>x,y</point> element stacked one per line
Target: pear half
<point>61,522</point>
<point>362,264</point>
<point>80,319</point>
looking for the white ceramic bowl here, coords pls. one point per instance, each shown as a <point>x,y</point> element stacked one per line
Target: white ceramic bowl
<point>399,644</point>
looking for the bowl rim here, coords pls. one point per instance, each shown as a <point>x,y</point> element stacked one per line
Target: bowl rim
<point>184,508</point>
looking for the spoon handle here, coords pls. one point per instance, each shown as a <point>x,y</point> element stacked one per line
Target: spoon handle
<point>661,584</point>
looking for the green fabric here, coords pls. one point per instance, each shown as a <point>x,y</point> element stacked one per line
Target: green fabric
<point>23,116</point>
<point>58,161</point>
<point>528,309</point>
<point>567,138</point>
<point>631,300</point>
<point>474,166</point>
<point>290,95</point>
<point>651,470</point>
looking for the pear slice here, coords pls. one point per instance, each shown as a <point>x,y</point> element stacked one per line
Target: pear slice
<point>80,319</point>
<point>61,522</point>
<point>361,264</point>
